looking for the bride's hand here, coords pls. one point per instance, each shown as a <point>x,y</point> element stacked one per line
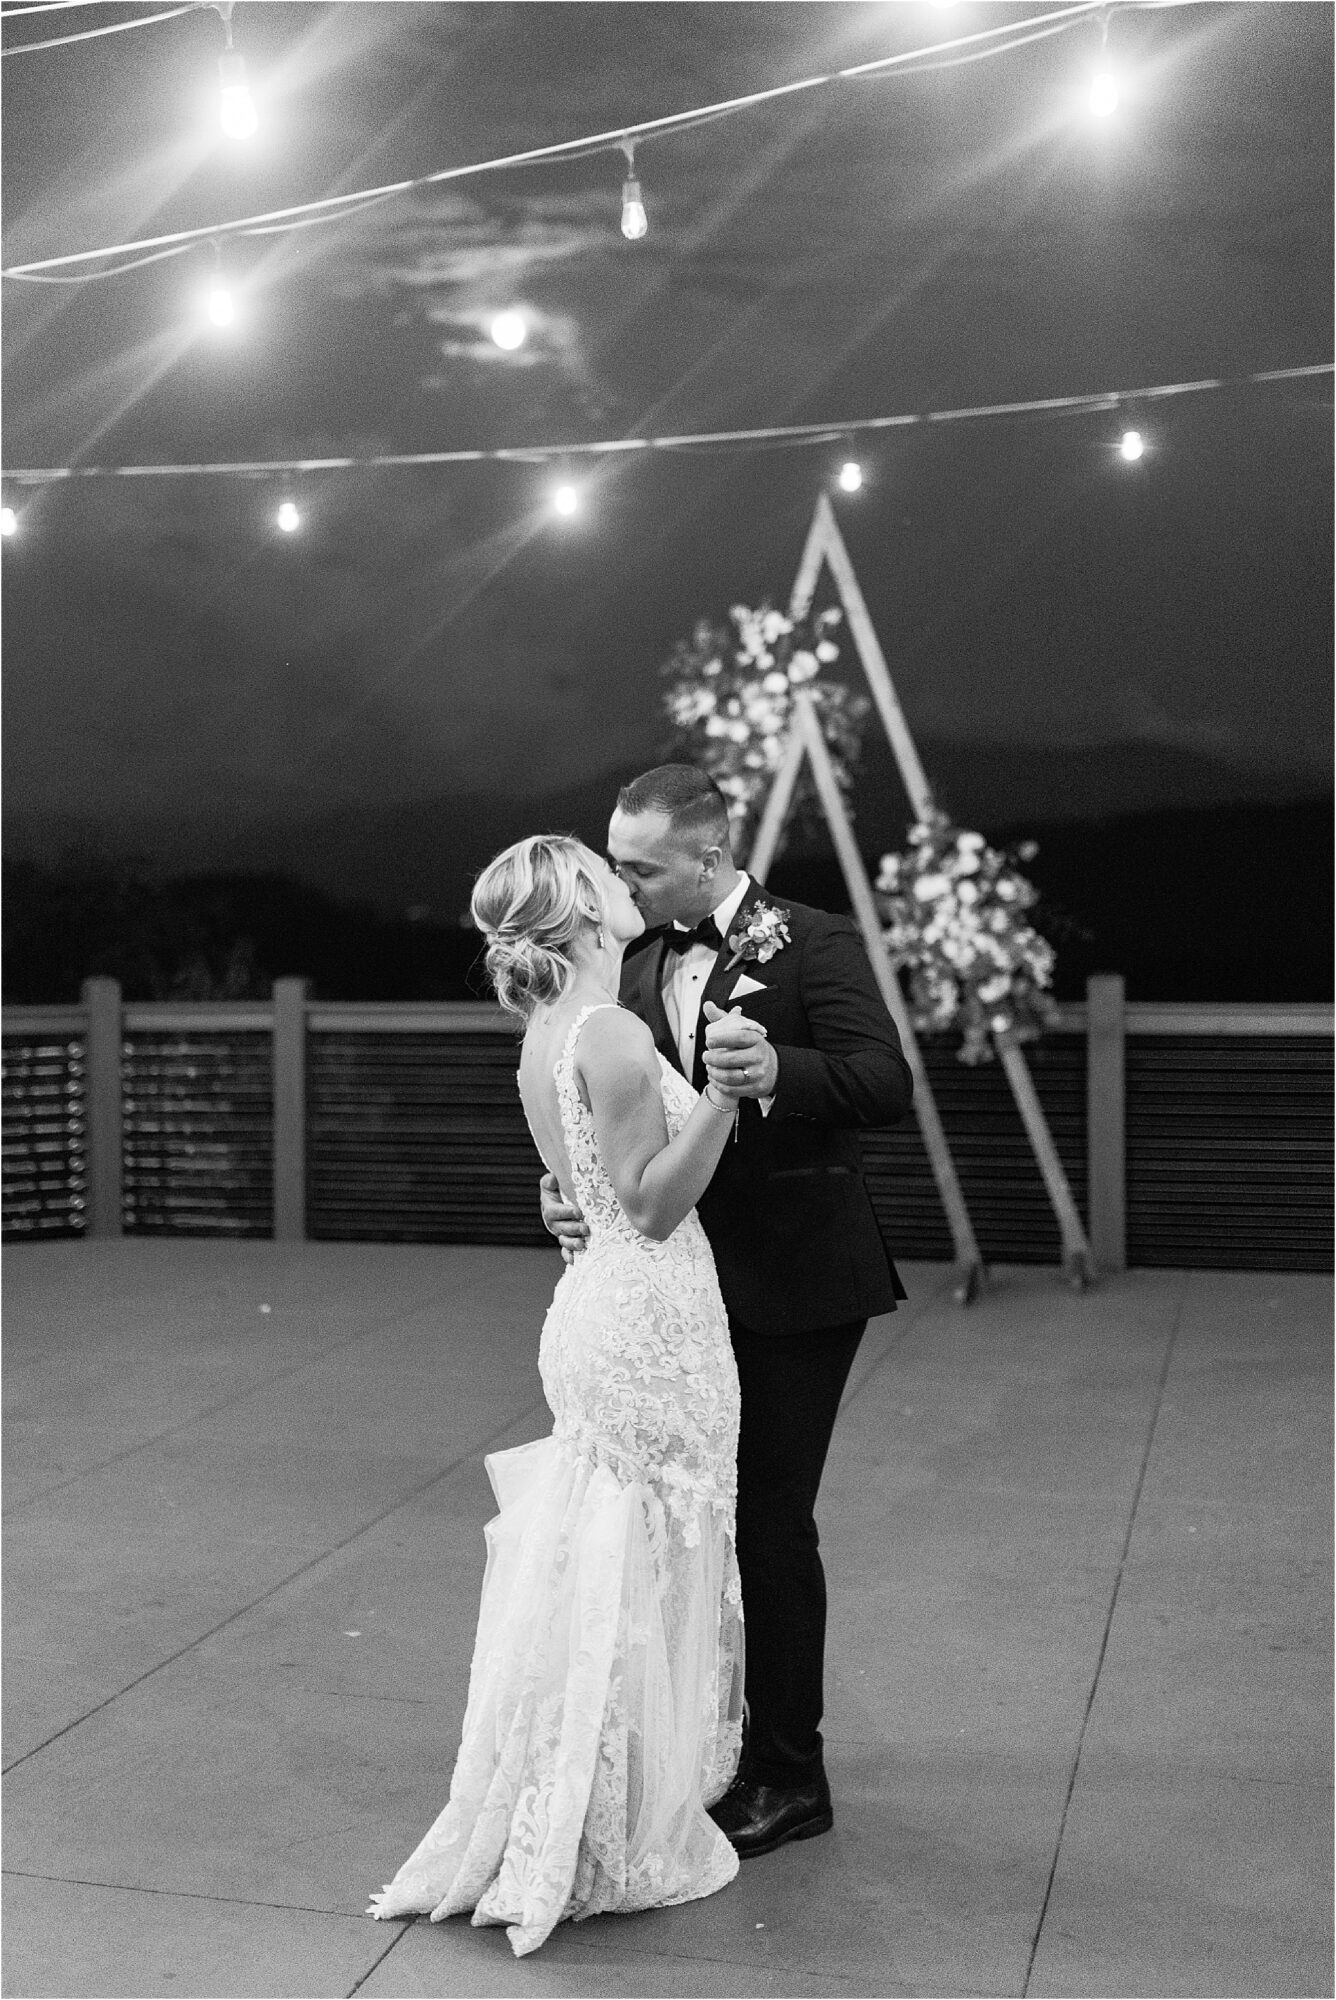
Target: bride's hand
<point>738,1058</point>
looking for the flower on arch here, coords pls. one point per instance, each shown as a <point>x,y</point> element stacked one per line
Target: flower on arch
<point>729,696</point>
<point>955,923</point>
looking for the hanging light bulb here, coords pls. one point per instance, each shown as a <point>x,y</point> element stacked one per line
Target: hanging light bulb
<point>287,517</point>
<point>509,329</point>
<point>220,305</point>
<point>1131,446</point>
<point>9,521</point>
<point>850,476</point>
<point>236,106</point>
<point>1104,92</point>
<point>634,220</point>
<point>566,498</point>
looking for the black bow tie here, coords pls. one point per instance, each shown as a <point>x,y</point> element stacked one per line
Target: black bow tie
<point>706,932</point>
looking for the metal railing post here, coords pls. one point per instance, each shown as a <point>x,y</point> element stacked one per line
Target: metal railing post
<point>290,1110</point>
<point>103,1106</point>
<point>1106,1119</point>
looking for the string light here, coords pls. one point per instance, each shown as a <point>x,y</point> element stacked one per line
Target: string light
<point>850,476</point>
<point>797,437</point>
<point>566,499</point>
<point>509,329</point>
<point>1131,446</point>
<point>287,517</point>
<point>634,220</point>
<point>9,521</point>
<point>983,43</point>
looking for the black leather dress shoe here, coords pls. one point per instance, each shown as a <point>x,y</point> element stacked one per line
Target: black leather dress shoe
<point>759,1818</point>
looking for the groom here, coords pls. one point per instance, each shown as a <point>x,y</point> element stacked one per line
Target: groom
<point>800,1258</point>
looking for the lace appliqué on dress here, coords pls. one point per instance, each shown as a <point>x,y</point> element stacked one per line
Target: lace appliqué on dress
<point>605,1697</point>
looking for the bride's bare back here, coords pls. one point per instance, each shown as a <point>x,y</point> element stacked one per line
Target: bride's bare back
<point>544,1043</point>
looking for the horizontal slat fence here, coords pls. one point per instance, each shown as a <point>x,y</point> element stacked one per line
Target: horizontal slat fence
<point>1004,1191</point>
<point>1229,1152</point>
<point>198,1122</point>
<point>1210,1126</point>
<point>418,1138</point>
<point>45,1176</point>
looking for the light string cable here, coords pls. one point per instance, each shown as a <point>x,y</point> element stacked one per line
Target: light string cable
<point>1018,41</point>
<point>334,207</point>
<point>86,34</point>
<point>59,7</point>
<point>181,249</point>
<point>136,264</point>
<point>46,7</point>
<point>794,436</point>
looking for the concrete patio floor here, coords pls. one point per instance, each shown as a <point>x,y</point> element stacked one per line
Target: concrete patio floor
<point>1079,1702</point>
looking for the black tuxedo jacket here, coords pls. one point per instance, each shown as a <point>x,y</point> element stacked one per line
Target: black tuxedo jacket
<point>789,1219</point>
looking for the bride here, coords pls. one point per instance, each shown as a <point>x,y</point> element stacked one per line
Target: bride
<point>605,1698</point>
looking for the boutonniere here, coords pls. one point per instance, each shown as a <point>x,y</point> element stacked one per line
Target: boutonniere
<point>764,932</point>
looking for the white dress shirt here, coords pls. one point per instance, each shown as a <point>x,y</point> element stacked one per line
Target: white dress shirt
<point>684,986</point>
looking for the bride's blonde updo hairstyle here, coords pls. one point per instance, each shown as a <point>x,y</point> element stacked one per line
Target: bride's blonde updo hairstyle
<point>531,904</point>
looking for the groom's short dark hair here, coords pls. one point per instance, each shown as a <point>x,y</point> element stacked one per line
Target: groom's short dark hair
<point>691,801</point>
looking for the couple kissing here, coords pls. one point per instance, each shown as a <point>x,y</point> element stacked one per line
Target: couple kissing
<point>697,1061</point>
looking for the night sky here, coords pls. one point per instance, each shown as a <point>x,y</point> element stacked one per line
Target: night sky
<point>183,679</point>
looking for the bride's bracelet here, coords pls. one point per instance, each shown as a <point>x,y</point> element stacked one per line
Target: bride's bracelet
<point>729,1110</point>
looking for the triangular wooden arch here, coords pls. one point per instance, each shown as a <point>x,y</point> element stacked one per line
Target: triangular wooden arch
<point>806,742</point>
<point>825,543</point>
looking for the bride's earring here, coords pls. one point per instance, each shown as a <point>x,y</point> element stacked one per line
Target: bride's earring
<point>602,941</point>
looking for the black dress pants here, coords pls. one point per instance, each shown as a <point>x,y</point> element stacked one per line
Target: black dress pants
<point>791,1388</point>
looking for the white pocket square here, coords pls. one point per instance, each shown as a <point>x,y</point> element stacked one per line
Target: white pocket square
<point>746,986</point>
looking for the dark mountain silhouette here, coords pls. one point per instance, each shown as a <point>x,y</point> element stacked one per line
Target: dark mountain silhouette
<point>1222,902</point>
<point>1218,903</point>
<point>423,854</point>
<point>216,937</point>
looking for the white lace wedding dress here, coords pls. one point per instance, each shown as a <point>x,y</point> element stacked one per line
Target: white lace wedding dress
<point>605,1698</point>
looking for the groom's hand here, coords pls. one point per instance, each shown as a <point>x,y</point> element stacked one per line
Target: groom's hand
<point>737,1055</point>
<point>562,1219</point>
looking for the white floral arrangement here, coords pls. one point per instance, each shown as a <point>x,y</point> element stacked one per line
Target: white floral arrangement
<point>730,699</point>
<point>955,923</point>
